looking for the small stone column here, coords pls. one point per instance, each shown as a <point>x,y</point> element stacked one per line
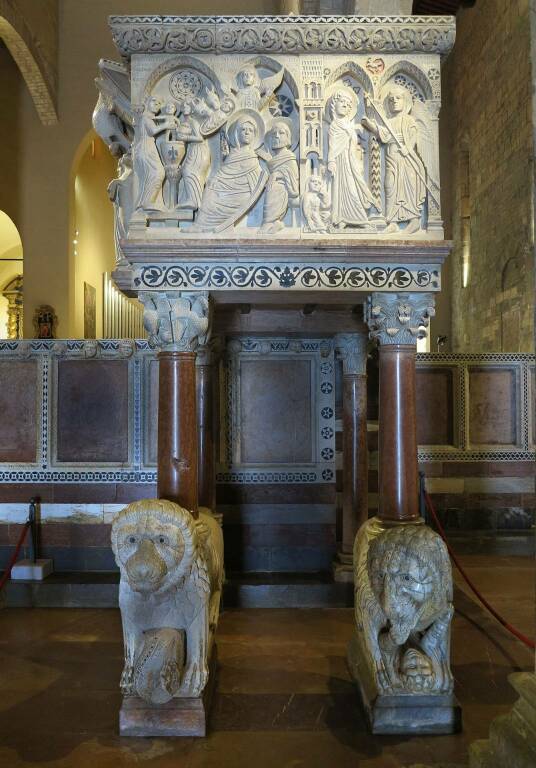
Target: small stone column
<point>207,356</point>
<point>351,348</point>
<point>397,321</point>
<point>400,652</point>
<point>177,323</point>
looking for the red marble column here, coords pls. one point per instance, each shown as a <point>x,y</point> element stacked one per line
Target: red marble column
<point>351,348</point>
<point>177,430</point>
<point>397,321</point>
<point>398,468</point>
<point>206,421</point>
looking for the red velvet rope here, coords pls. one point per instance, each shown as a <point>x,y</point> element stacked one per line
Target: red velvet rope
<point>520,636</point>
<point>7,572</point>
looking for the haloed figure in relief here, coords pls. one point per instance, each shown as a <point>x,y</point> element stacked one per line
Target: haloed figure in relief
<point>146,159</point>
<point>405,173</point>
<point>283,183</point>
<point>350,195</point>
<point>239,182</point>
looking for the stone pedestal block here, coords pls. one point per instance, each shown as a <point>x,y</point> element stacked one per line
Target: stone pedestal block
<point>410,714</point>
<point>178,717</point>
<point>27,570</point>
<point>512,737</point>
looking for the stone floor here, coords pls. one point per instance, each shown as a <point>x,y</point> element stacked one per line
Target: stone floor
<point>284,698</point>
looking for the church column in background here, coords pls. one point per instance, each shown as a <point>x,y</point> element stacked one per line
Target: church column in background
<point>207,359</point>
<point>177,323</point>
<point>351,348</point>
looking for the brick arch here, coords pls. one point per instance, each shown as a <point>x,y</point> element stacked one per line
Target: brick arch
<point>24,49</point>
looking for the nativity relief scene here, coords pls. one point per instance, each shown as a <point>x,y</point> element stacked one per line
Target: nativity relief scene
<point>256,146</point>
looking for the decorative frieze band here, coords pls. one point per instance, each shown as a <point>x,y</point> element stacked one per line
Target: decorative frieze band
<point>298,276</point>
<point>282,34</point>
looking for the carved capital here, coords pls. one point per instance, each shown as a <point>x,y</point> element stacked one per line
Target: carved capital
<point>176,321</point>
<point>209,352</point>
<point>399,318</point>
<point>351,348</point>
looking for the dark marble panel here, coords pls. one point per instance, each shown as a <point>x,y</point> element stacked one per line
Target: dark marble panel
<point>279,535</point>
<point>532,399</point>
<point>435,406</point>
<point>92,422</point>
<point>492,406</point>
<point>18,406</point>
<point>275,417</point>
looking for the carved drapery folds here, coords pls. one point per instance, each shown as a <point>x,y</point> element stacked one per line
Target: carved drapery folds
<point>399,318</point>
<point>175,321</point>
<point>338,142</point>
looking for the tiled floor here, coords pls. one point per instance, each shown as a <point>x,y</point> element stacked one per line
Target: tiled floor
<point>284,699</point>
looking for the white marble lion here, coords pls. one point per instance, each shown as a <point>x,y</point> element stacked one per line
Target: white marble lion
<point>171,577</point>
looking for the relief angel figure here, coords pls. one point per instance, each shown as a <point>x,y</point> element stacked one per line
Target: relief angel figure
<point>284,181</point>
<point>350,194</point>
<point>146,159</point>
<point>251,91</point>
<point>238,183</point>
<point>408,143</point>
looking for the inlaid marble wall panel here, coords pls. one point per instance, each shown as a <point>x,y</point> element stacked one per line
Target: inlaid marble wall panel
<point>275,412</point>
<point>493,406</point>
<point>435,406</point>
<point>92,411</point>
<point>20,409</point>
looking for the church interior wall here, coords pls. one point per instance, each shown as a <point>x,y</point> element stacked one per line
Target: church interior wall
<point>487,122</point>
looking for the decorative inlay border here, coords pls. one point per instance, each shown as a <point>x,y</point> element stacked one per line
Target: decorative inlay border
<point>300,276</point>
<point>282,34</point>
<point>322,468</point>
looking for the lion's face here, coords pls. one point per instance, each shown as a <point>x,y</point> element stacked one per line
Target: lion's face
<point>152,550</point>
<point>410,577</point>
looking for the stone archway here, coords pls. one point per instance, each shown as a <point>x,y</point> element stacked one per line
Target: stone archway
<point>38,74</point>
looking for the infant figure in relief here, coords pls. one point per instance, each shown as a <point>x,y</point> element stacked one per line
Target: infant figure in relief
<point>146,160</point>
<point>315,205</point>
<point>283,184</point>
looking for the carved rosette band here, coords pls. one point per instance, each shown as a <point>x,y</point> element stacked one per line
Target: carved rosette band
<point>351,348</point>
<point>176,321</point>
<point>398,318</point>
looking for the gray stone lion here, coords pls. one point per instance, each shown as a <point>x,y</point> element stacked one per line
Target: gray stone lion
<point>171,578</point>
<point>403,605</point>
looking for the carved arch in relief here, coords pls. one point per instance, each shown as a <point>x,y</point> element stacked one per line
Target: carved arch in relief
<point>413,73</point>
<point>353,69</point>
<point>181,62</point>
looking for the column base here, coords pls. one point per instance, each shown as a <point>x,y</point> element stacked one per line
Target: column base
<point>410,714</point>
<point>178,717</point>
<point>512,737</point>
<point>343,568</point>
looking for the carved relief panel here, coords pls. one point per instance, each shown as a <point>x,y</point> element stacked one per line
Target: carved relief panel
<point>288,143</point>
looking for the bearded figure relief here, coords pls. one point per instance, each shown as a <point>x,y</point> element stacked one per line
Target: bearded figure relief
<point>403,606</point>
<point>171,569</point>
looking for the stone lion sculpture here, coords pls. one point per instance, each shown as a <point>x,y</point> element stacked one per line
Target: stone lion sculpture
<point>171,569</point>
<point>403,606</point>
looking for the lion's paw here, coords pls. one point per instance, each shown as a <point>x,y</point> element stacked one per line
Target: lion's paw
<point>195,678</point>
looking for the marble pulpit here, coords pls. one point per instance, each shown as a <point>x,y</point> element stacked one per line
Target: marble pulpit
<point>296,159</point>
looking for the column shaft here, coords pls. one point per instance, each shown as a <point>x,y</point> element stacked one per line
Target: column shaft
<point>177,430</point>
<point>355,458</point>
<point>206,432</point>
<point>398,469</point>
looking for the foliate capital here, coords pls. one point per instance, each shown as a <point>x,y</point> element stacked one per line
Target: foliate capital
<point>176,321</point>
<point>351,348</point>
<point>399,318</point>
